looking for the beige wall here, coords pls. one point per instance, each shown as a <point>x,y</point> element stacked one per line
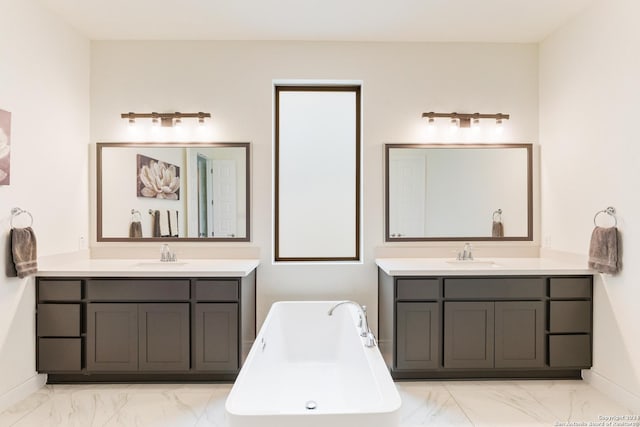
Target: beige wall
<point>44,83</point>
<point>234,81</point>
<point>589,91</point>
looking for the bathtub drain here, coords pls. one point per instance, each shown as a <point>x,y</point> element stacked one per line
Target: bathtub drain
<point>310,405</point>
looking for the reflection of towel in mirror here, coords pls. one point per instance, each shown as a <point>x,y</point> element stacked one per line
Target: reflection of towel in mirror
<point>164,223</point>
<point>603,250</point>
<point>135,229</point>
<point>24,251</point>
<point>173,222</point>
<point>497,229</point>
<point>156,224</point>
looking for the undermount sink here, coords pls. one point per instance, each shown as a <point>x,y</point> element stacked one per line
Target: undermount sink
<point>158,264</point>
<point>472,263</point>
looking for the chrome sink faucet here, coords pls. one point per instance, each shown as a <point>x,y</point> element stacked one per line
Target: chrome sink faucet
<point>363,324</point>
<point>465,254</point>
<point>166,254</point>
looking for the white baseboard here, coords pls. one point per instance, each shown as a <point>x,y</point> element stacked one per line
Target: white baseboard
<point>22,391</point>
<point>614,391</point>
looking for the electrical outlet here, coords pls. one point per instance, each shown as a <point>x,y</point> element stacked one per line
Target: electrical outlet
<point>546,241</point>
<point>82,243</point>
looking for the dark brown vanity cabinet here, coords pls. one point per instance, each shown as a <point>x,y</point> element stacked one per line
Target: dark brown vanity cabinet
<point>59,325</point>
<point>216,326</point>
<point>417,323</point>
<point>483,327</point>
<point>570,300</point>
<point>500,334</point>
<point>137,337</point>
<point>144,329</point>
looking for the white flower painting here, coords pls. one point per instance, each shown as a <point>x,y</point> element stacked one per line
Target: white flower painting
<point>5,147</point>
<point>158,179</point>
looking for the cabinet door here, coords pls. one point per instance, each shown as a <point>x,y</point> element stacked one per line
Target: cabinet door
<point>216,337</point>
<point>519,334</point>
<point>112,337</point>
<point>417,332</point>
<point>163,337</point>
<point>468,334</point>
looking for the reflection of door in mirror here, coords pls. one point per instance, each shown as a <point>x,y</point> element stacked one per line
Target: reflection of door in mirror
<point>204,188</point>
<point>223,177</point>
<point>216,201</point>
<point>218,211</point>
<point>407,196</point>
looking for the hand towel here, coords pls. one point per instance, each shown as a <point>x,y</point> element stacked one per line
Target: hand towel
<point>10,268</point>
<point>173,222</point>
<point>497,229</point>
<point>156,224</point>
<point>24,251</point>
<point>135,229</point>
<point>603,250</point>
<point>164,223</point>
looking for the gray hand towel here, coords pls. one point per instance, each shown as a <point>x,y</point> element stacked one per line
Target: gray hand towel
<point>497,229</point>
<point>10,268</point>
<point>603,250</point>
<point>24,251</point>
<point>135,229</point>
<point>156,224</point>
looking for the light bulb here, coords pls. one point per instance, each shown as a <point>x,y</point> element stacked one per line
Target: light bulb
<point>454,125</point>
<point>475,125</point>
<point>177,122</point>
<point>499,126</point>
<point>132,122</point>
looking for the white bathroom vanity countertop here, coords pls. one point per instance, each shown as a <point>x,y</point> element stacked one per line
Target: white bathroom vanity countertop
<point>480,267</point>
<point>148,268</point>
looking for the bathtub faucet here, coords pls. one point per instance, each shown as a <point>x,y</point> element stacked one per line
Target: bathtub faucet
<point>363,324</point>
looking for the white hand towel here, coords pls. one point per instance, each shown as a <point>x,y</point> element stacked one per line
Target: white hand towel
<point>164,223</point>
<point>173,222</point>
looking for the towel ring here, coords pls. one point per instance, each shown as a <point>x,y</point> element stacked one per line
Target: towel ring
<point>17,212</point>
<point>499,213</point>
<point>611,211</point>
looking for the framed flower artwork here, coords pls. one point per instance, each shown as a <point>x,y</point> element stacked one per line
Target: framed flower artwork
<point>157,179</point>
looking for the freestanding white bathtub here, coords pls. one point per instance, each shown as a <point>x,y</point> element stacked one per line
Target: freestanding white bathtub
<point>309,369</point>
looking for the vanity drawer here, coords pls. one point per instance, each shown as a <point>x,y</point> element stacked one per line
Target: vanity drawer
<point>570,287</point>
<point>147,290</point>
<point>59,290</point>
<point>58,320</point>
<point>59,354</point>
<point>217,290</point>
<point>498,288</point>
<point>417,289</point>
<point>569,316</point>
<point>569,351</point>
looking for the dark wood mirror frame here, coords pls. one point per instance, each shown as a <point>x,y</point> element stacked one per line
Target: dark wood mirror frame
<point>99,202</point>
<point>528,237</point>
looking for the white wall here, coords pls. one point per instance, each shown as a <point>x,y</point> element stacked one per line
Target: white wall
<point>589,91</point>
<point>234,81</point>
<point>44,82</point>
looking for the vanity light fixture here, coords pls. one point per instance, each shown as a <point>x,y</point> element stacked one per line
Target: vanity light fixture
<point>165,119</point>
<point>463,120</point>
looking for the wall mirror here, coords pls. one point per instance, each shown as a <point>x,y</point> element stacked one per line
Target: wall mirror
<point>173,191</point>
<point>447,192</point>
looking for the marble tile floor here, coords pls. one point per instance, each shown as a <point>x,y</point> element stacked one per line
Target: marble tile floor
<point>438,403</point>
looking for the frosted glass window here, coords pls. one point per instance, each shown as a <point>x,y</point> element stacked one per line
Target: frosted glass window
<point>317,173</point>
